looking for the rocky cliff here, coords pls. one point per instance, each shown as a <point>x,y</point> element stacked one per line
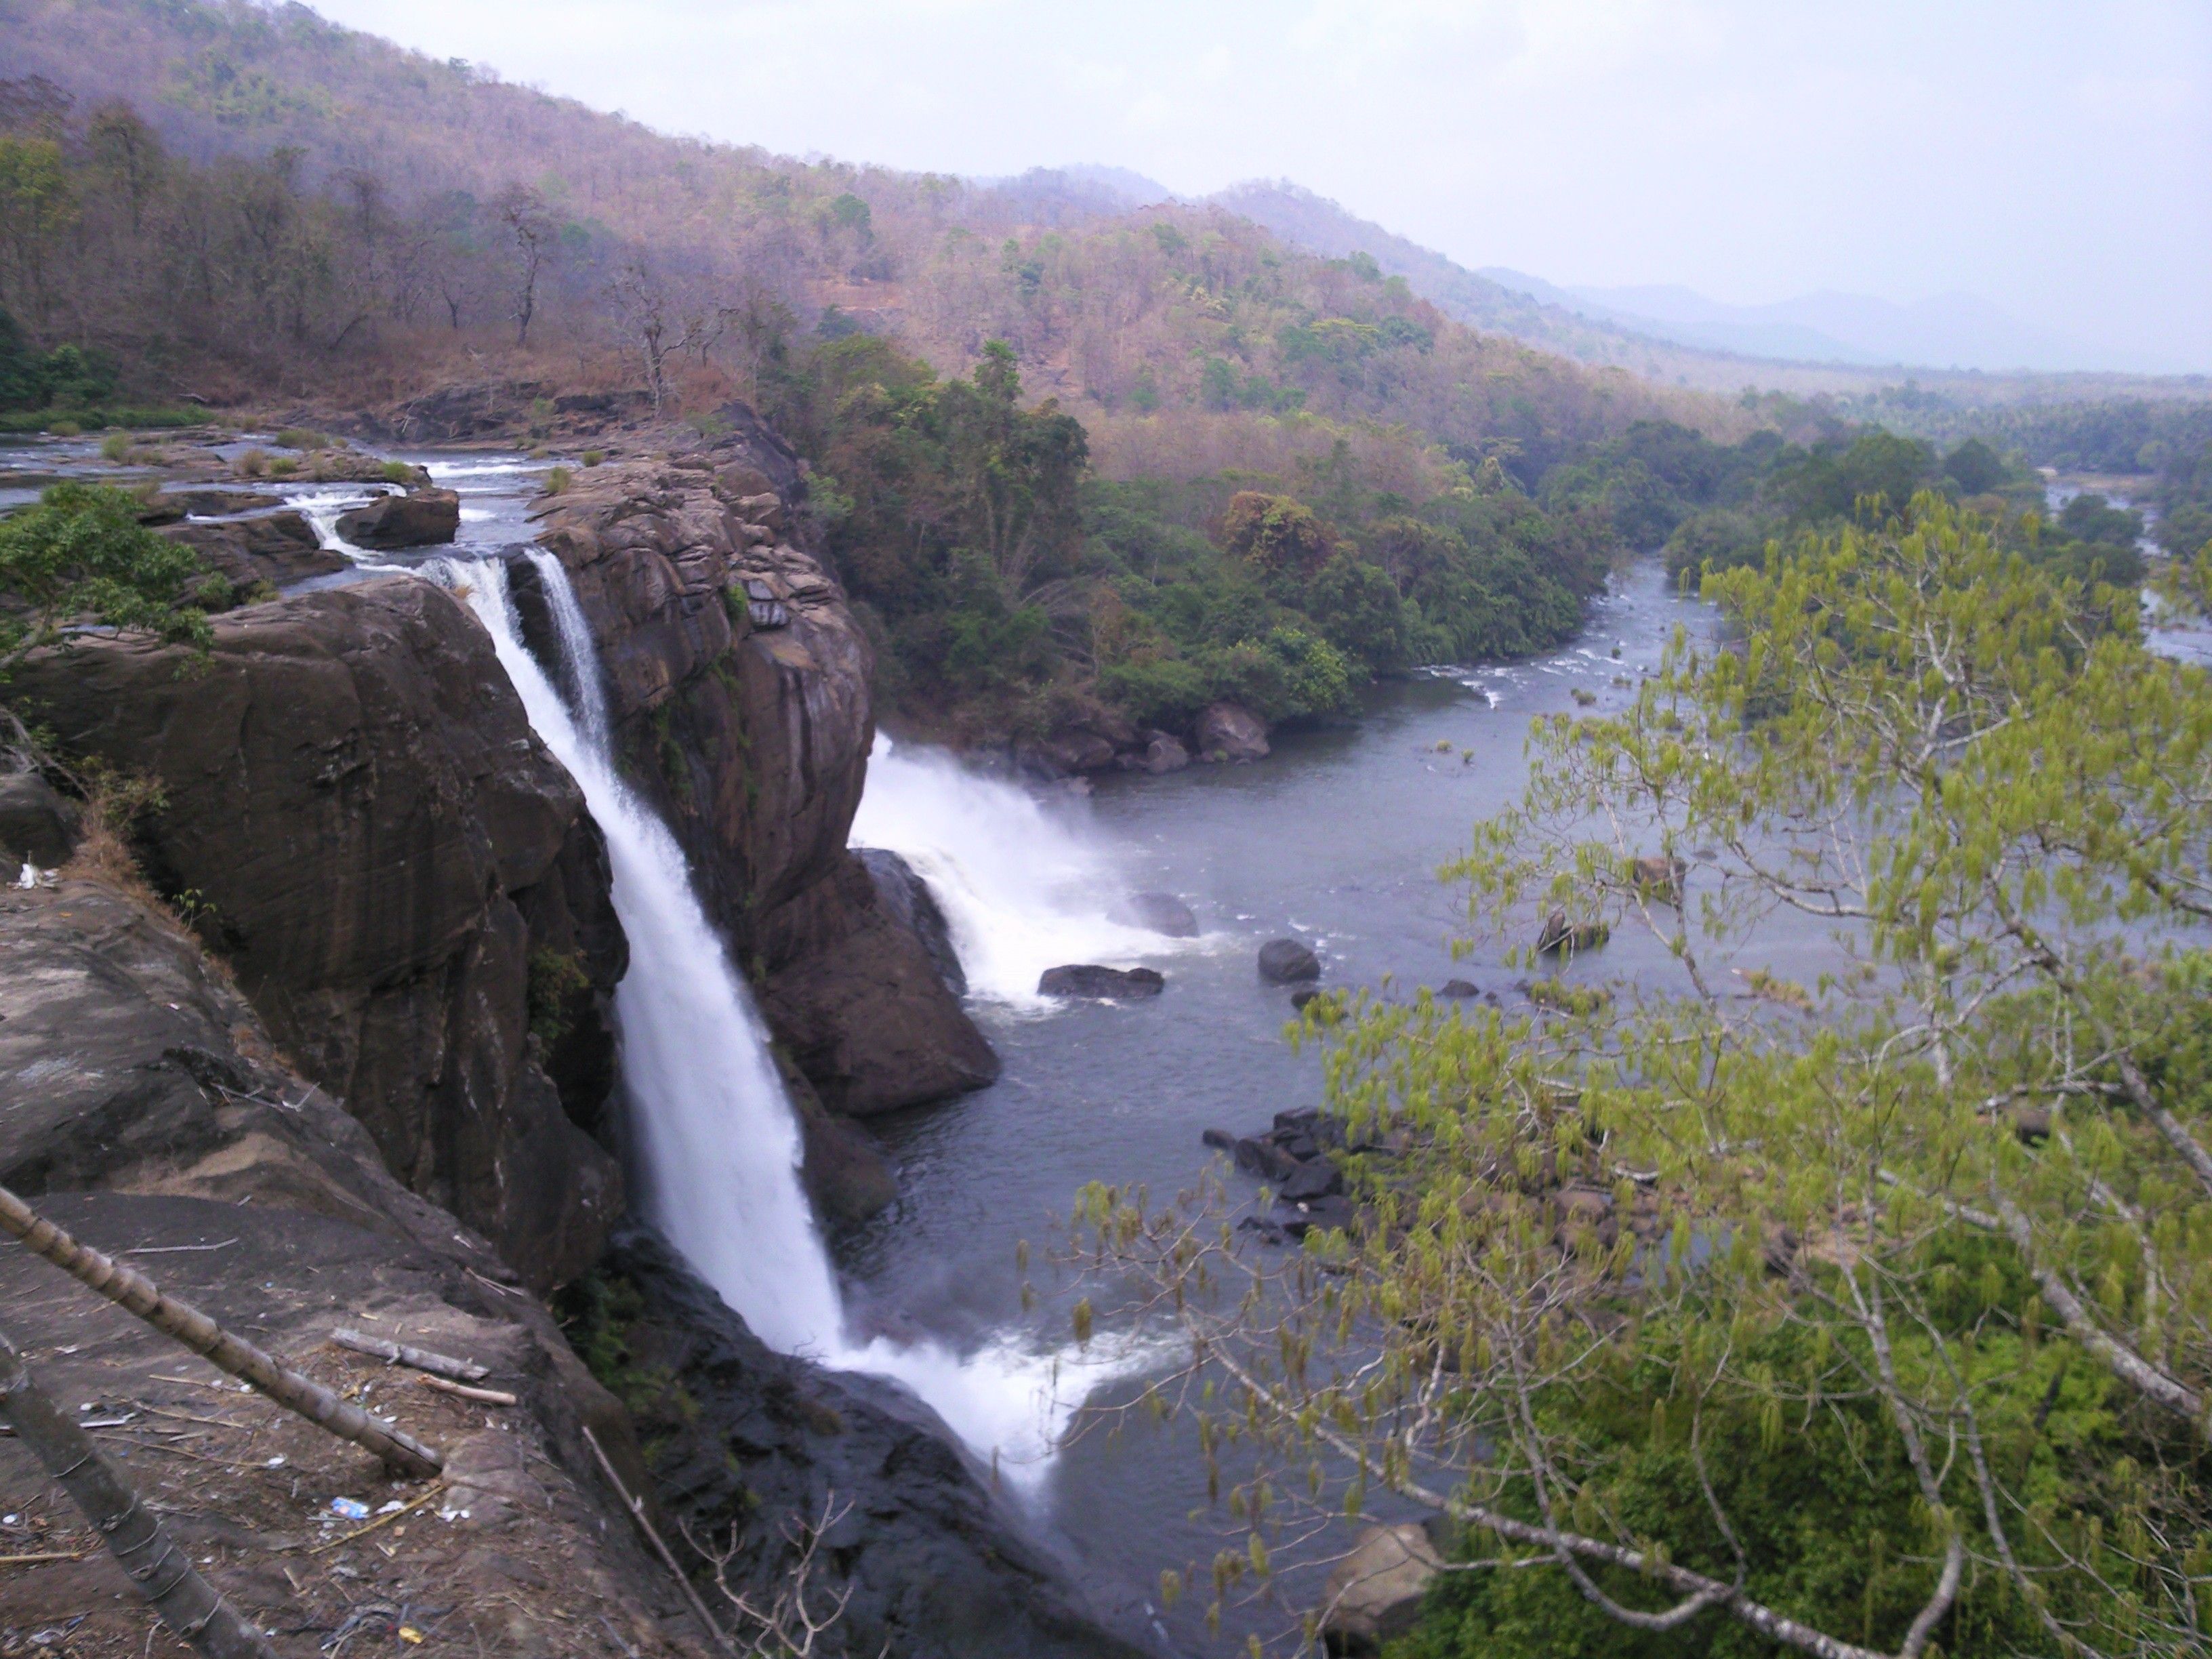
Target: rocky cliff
<point>404,880</point>
<point>737,679</point>
<point>142,1106</point>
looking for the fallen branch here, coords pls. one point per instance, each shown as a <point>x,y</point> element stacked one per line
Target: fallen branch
<point>487,1396</point>
<point>404,1510</point>
<point>130,1289</point>
<point>162,1573</point>
<point>636,1508</point>
<point>399,1353</point>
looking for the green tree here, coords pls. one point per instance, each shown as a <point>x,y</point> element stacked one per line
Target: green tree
<point>81,558</point>
<point>1919,1255</point>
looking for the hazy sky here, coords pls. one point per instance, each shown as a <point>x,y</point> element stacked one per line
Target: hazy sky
<point>2056,158</point>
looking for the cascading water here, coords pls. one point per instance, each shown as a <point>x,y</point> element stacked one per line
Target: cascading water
<point>716,1149</point>
<point>1020,890</point>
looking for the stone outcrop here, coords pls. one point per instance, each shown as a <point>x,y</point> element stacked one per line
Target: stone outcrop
<point>743,1439</point>
<point>279,548</point>
<point>403,879</point>
<point>142,1108</point>
<point>909,900</point>
<point>752,741</point>
<point>38,827</point>
<point>1228,731</point>
<point>1089,980</point>
<point>1287,962</point>
<point>420,518</point>
<point>1375,1594</point>
<point>1158,913</point>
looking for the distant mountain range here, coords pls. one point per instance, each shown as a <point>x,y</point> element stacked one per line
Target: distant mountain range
<point>1952,330</point>
<point>1819,341</point>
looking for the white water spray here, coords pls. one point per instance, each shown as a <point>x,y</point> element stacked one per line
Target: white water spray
<point>1020,889</point>
<point>717,1147</point>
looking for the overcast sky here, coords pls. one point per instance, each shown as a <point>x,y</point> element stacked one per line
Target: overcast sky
<point>2053,158</point>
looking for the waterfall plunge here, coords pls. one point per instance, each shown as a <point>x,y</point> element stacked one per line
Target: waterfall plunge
<point>1019,890</point>
<point>716,1147</point>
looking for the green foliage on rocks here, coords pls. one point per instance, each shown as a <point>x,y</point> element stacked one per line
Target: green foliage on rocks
<point>81,559</point>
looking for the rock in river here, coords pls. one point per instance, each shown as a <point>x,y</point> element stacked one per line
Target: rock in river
<point>418,519</point>
<point>1088,980</point>
<point>1228,731</point>
<point>1285,962</point>
<point>1161,912</point>
<point>1374,1593</point>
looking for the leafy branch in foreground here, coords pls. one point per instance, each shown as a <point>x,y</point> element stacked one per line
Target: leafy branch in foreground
<point>1873,1319</point>
<point>80,558</point>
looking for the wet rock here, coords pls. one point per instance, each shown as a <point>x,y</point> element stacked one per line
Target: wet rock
<point>1228,731</point>
<point>1375,1594</point>
<point>1088,980</point>
<point>280,549</point>
<point>931,1563</point>
<point>1065,754</point>
<point>1165,754</point>
<point>1285,962</point>
<point>386,857</point>
<point>907,897</point>
<point>861,1006</point>
<point>1302,996</point>
<point>1219,1139</point>
<point>1459,988</point>
<point>1661,878</point>
<point>420,518</point>
<point>1299,1218</point>
<point>1160,913</point>
<point>1316,1179</point>
<point>37,825</point>
<point>1261,1156</point>
<point>1568,939</point>
<point>216,503</point>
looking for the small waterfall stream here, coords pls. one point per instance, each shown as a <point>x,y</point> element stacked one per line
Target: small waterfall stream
<point>716,1146</point>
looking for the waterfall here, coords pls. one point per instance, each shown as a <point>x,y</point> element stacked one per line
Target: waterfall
<point>1020,889</point>
<point>715,1153</point>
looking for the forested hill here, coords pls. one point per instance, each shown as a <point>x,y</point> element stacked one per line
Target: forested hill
<point>442,183</point>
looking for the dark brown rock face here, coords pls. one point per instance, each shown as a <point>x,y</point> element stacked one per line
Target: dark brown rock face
<point>753,742</point>
<point>392,863</point>
<point>420,518</point>
<point>1228,731</point>
<point>281,548</point>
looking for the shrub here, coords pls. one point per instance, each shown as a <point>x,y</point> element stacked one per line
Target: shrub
<point>254,464</point>
<point>283,466</point>
<point>296,437</point>
<point>63,428</point>
<point>593,456</point>
<point>558,480</point>
<point>116,446</point>
<point>82,551</point>
<point>398,472</point>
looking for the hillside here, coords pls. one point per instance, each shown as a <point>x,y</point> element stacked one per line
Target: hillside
<point>1793,349</point>
<point>456,210</point>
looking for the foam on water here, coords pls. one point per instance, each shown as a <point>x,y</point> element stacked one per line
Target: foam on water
<point>1021,890</point>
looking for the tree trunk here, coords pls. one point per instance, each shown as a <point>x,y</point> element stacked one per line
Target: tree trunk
<point>163,1574</point>
<point>131,1289</point>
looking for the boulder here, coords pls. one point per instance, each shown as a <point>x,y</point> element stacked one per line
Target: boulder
<point>1158,913</point>
<point>1303,996</point>
<point>1087,980</point>
<point>1228,731</point>
<point>420,518</point>
<point>908,899</point>
<point>1375,1594</point>
<point>37,825</point>
<point>1316,1178</point>
<point>1165,754</point>
<point>1459,988</point>
<point>862,1008</point>
<point>1661,878</point>
<point>1263,1156</point>
<point>1287,962</point>
<point>1299,1216</point>
<point>280,549</point>
<point>1568,938</point>
<point>389,860</point>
